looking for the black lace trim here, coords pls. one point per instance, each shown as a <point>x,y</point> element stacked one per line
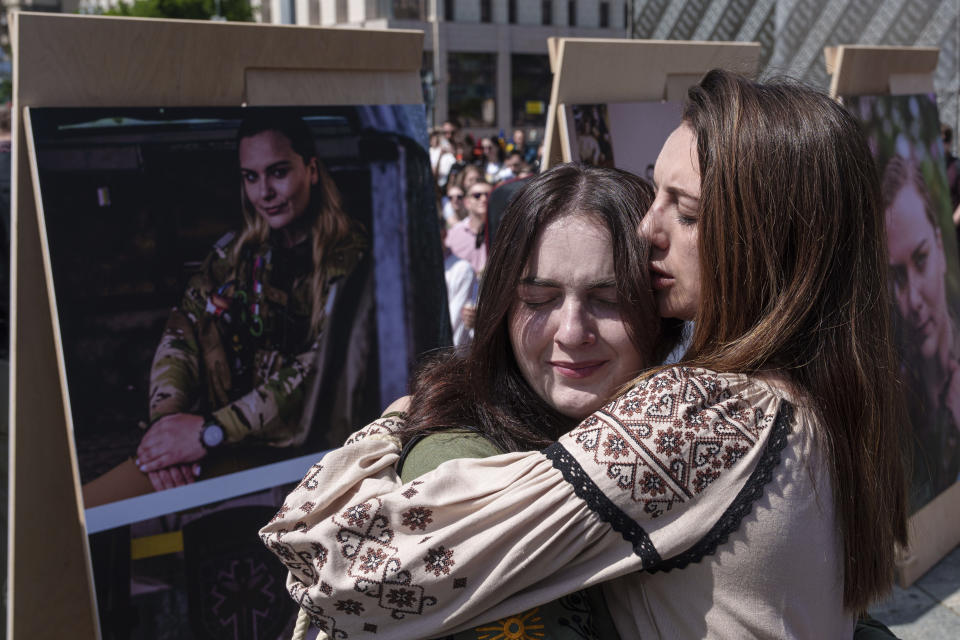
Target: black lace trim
<point>600,504</point>
<point>743,503</point>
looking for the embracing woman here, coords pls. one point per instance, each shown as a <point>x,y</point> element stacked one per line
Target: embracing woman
<point>755,489</point>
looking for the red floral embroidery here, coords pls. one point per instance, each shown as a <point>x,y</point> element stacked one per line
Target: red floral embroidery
<point>667,439</point>
<point>417,518</point>
<point>439,561</point>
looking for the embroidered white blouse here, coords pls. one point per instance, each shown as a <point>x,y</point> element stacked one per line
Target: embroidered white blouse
<point>701,500</point>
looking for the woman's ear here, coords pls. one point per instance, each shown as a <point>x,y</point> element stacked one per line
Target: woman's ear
<point>313,171</point>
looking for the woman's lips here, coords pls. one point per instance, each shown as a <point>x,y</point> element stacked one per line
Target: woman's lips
<point>577,370</point>
<point>660,279</point>
<point>272,211</point>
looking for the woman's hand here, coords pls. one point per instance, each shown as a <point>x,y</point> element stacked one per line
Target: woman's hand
<point>176,476</point>
<point>172,440</point>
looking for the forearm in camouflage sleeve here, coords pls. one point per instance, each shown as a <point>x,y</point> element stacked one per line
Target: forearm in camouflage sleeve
<point>175,372</point>
<point>272,412</point>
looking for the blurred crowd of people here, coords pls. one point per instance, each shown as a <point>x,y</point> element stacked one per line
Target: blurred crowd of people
<point>467,170</point>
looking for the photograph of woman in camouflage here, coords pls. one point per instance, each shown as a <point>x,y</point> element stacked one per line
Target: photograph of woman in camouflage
<point>234,281</point>
<point>237,352</point>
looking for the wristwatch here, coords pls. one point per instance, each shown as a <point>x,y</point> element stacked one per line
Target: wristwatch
<point>211,434</point>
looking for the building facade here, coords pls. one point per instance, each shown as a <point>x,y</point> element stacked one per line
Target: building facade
<point>793,33</point>
<point>492,70</point>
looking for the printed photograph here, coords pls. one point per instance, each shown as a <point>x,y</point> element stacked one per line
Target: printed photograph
<point>179,576</point>
<point>589,135</point>
<point>236,289</point>
<point>625,135</point>
<point>904,136</point>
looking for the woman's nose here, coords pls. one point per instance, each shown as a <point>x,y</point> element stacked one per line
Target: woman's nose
<point>575,326</point>
<point>651,231</point>
<point>913,296</point>
<point>267,191</point>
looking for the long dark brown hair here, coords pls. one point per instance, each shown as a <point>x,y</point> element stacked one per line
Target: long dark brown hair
<point>793,256</point>
<point>485,389</point>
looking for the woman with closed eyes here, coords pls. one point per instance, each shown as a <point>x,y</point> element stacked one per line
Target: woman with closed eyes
<point>752,490</point>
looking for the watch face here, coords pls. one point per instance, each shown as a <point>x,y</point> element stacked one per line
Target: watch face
<point>212,435</point>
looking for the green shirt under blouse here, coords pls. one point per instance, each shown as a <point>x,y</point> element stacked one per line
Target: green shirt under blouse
<point>578,616</point>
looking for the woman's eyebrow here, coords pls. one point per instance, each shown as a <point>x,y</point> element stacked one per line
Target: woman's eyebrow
<point>607,283</point>
<point>680,192</point>
<point>275,165</point>
<point>533,281</point>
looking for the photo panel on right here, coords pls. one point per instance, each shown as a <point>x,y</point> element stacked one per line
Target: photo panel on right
<point>924,274</point>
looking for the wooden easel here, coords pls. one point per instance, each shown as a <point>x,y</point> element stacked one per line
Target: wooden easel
<point>86,61</point>
<point>877,71</point>
<point>589,71</point>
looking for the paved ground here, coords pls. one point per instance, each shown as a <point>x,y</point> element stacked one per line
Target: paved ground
<point>928,610</point>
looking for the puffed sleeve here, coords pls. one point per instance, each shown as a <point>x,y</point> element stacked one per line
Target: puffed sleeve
<point>653,480</point>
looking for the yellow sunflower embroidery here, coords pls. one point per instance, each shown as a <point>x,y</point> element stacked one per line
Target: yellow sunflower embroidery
<point>525,626</point>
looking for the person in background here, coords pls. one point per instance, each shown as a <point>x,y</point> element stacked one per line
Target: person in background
<point>519,141</point>
<point>470,175</point>
<point>512,166</point>
<point>454,209</point>
<point>525,146</point>
<point>492,160</point>
<point>467,238</point>
<point>461,282</point>
<point>451,133</point>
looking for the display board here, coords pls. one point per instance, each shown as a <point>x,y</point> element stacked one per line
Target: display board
<point>625,135</point>
<point>595,71</point>
<point>83,61</point>
<point>890,89</point>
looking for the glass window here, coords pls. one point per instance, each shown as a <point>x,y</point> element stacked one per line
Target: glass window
<point>472,88</point>
<point>409,10</point>
<point>288,12</point>
<point>448,13</point>
<point>512,11</point>
<point>572,13</point>
<point>486,10</point>
<point>604,15</point>
<point>531,81</point>
<point>546,12</point>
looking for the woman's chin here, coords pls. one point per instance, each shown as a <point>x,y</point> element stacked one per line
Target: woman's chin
<point>577,406</point>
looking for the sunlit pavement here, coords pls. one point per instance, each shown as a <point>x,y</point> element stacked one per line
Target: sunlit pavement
<point>930,608</point>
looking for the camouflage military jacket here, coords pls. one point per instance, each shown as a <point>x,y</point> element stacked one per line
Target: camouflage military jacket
<point>239,345</point>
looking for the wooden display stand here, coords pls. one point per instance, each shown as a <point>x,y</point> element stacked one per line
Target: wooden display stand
<point>85,61</point>
<point>877,71</point>
<point>591,71</point>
